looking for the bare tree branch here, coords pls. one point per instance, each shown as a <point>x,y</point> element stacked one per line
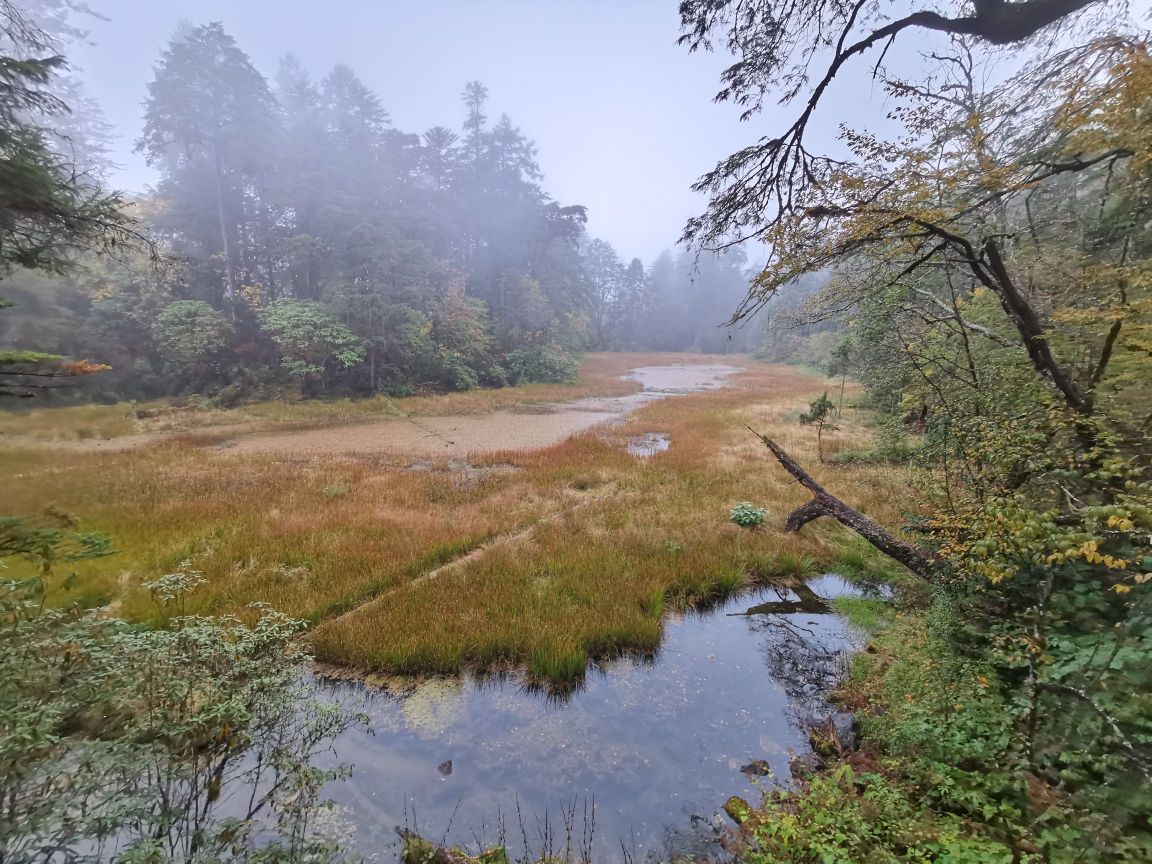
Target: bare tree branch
<point>825,503</point>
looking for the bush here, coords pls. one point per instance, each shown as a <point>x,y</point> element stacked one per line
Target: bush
<point>941,775</point>
<point>129,744</point>
<point>544,365</point>
<point>454,373</point>
<point>746,515</point>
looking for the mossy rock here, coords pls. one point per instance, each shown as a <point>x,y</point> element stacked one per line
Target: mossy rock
<point>823,742</point>
<point>738,809</point>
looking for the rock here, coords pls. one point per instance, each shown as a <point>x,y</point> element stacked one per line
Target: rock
<point>806,765</point>
<point>822,742</point>
<point>844,728</point>
<point>758,768</point>
<point>738,809</point>
<point>743,814</point>
<point>833,735</point>
<point>445,768</point>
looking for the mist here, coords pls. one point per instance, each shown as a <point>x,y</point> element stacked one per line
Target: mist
<point>663,430</point>
<point>523,169</point>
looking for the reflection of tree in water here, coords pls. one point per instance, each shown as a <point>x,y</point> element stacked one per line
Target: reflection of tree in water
<point>807,601</point>
<point>806,663</point>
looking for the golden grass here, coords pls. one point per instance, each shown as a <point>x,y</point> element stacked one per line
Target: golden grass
<point>593,582</point>
<point>584,545</point>
<point>72,423</point>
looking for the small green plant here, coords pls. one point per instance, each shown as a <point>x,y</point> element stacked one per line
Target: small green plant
<point>864,613</point>
<point>819,413</point>
<point>791,564</point>
<point>653,606</point>
<point>336,490</point>
<point>558,667</point>
<point>728,580</point>
<point>747,515</point>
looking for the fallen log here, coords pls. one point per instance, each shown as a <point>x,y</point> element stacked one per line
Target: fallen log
<point>824,503</point>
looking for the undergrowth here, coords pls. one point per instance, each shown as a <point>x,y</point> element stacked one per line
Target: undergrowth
<point>939,776</point>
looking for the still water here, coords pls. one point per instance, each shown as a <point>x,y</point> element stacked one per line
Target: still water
<point>655,745</point>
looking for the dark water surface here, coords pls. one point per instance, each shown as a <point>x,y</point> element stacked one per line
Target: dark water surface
<point>657,744</point>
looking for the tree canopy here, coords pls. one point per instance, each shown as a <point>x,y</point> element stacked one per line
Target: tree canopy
<point>777,46</point>
<point>50,209</point>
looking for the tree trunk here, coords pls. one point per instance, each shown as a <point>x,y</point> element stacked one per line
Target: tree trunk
<point>371,355</point>
<point>226,246</point>
<point>824,503</point>
<point>1033,334</point>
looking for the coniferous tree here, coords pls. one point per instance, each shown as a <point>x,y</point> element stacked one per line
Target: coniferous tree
<point>49,210</point>
<point>208,119</point>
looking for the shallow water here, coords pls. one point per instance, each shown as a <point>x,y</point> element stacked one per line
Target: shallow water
<point>658,382</point>
<point>648,444</point>
<point>657,744</point>
<point>460,436</point>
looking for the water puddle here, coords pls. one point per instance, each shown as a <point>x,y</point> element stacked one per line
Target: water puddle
<point>658,744</point>
<point>458,436</point>
<point>464,475</point>
<point>659,382</point>
<point>648,444</point>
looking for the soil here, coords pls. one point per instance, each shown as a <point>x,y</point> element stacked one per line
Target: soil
<point>462,435</point>
<point>531,427</point>
<point>449,437</point>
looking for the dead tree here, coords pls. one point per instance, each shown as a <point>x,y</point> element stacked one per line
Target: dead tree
<point>824,503</point>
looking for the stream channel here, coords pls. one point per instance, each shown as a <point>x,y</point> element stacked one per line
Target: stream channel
<point>642,756</point>
<point>637,762</point>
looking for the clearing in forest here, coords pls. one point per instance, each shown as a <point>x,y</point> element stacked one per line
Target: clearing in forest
<point>491,553</point>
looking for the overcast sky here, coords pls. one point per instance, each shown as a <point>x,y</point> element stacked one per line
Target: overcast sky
<point>622,115</point>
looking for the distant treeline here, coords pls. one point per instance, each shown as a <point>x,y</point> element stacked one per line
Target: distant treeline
<point>310,247</point>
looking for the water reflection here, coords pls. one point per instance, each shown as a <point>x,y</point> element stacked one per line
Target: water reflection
<point>656,743</point>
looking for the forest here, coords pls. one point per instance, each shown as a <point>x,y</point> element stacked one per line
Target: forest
<point>341,427</point>
<point>300,243</point>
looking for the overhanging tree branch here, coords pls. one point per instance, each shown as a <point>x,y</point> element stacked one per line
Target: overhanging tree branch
<point>756,186</point>
<point>824,503</point>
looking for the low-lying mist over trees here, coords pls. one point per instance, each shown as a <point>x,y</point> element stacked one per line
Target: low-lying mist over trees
<point>310,246</point>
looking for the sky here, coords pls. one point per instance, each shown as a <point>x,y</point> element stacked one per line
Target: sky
<point>622,115</point>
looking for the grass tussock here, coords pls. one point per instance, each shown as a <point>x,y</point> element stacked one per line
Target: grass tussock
<point>571,554</point>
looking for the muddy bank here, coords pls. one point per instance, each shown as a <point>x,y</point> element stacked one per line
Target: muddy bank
<point>533,426</point>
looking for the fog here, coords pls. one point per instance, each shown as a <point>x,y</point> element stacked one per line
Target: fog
<point>367,198</point>
<point>622,115</point>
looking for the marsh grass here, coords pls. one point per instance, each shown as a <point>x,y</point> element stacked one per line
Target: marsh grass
<point>600,375</point>
<point>598,580</point>
<point>563,556</point>
<point>72,423</point>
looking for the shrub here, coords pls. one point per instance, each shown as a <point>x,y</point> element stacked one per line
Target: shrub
<point>746,515</point>
<point>129,744</point>
<point>542,364</point>
<point>192,338</point>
